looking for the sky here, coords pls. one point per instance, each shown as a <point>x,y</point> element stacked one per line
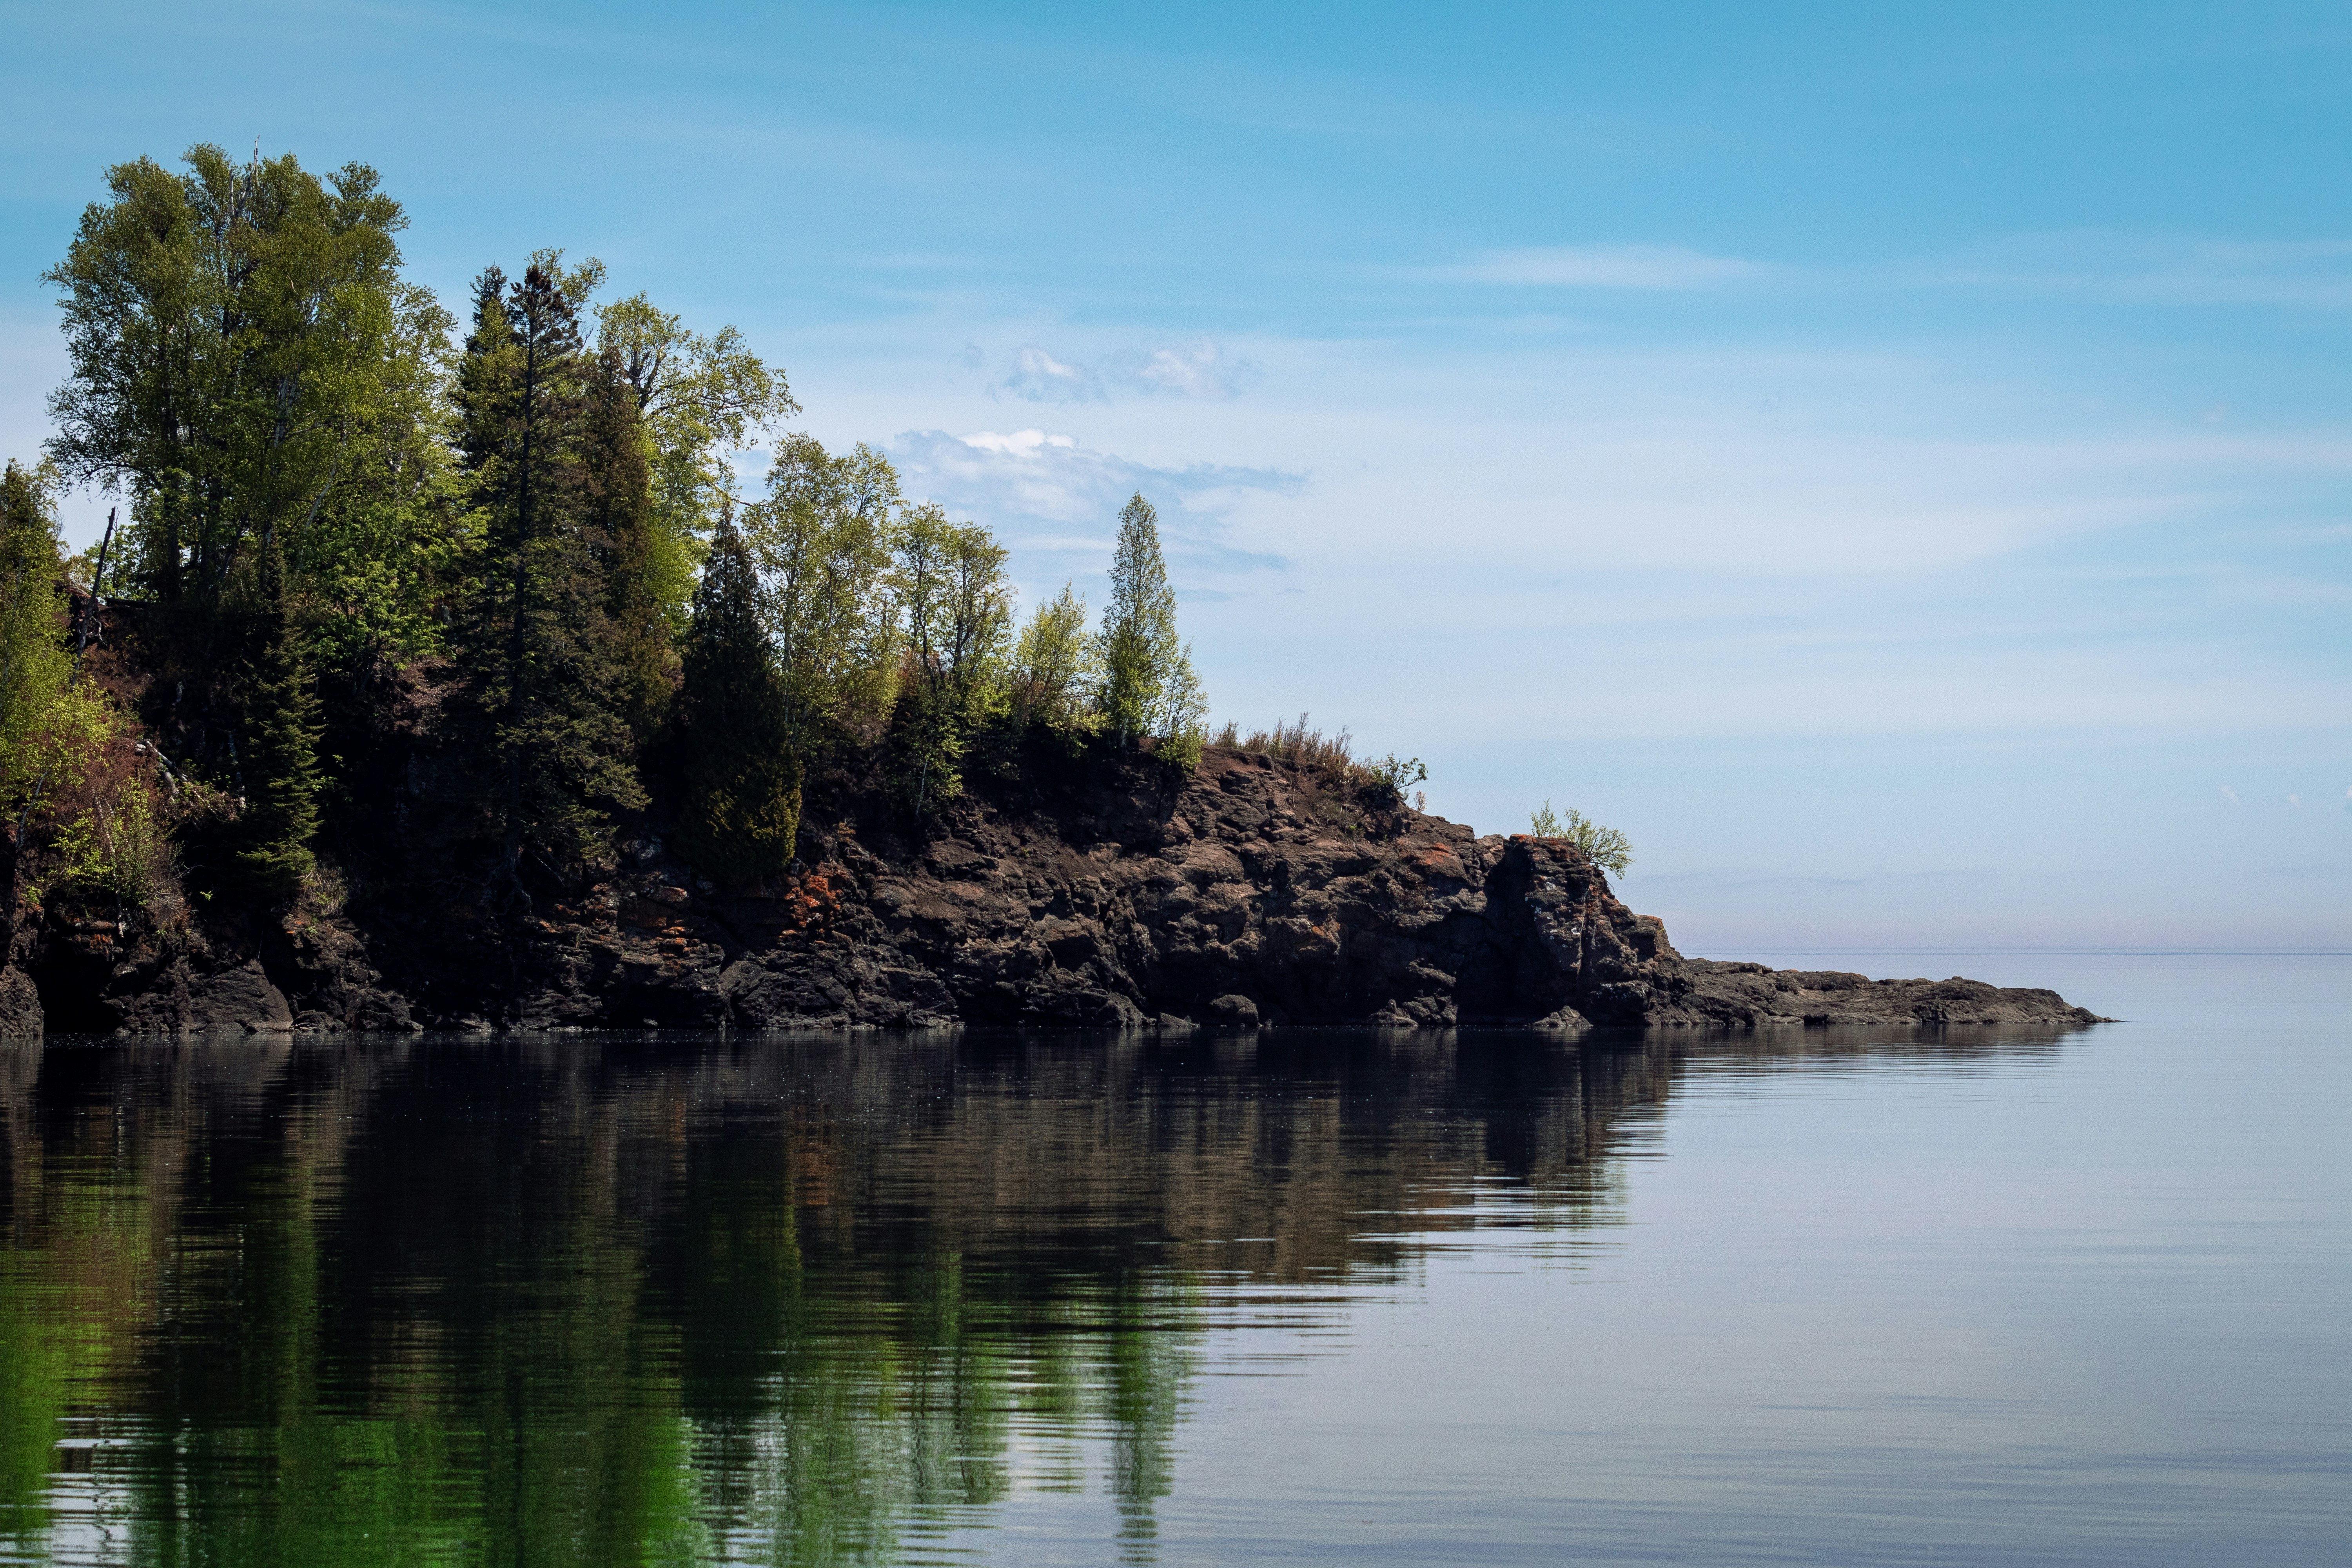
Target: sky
<point>1892,460</point>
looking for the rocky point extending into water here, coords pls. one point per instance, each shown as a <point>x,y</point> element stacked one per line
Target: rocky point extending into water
<point>1102,893</point>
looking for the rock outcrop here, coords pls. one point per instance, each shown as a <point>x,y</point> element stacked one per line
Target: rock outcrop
<point>1247,893</point>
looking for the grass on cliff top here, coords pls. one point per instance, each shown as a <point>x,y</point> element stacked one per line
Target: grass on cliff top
<point>1331,758</point>
<point>1310,751</point>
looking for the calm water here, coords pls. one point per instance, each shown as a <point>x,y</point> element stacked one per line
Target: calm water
<point>1314,1296</point>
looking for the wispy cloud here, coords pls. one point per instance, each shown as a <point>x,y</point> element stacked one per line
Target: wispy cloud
<point>1653,267</point>
<point>1046,494</point>
<point>2229,795</point>
<point>2158,270</point>
<point>1200,369</point>
<point>2128,269</point>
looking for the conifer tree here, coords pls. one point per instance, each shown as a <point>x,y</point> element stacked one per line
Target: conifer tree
<point>1148,686</point>
<point>281,731</point>
<point>548,696</point>
<point>741,812</point>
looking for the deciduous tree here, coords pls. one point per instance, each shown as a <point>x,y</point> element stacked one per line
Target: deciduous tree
<point>822,541</point>
<point>617,511</point>
<point>701,399</point>
<point>34,662</point>
<point>1056,666</point>
<point>956,611</point>
<point>1149,686</point>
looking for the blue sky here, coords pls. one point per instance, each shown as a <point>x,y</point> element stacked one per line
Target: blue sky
<point>1891,460</point>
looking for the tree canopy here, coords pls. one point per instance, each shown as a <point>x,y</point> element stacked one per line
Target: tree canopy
<point>513,549</point>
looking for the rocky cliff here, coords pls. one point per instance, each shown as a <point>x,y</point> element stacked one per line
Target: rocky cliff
<point>1113,894</point>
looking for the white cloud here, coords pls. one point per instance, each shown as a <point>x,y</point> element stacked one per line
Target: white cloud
<point>1048,493</point>
<point>1020,443</point>
<point>2229,795</point>
<point>1657,267</point>
<point>2295,801</point>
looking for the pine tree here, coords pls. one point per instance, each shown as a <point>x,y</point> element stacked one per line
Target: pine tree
<point>740,817</point>
<point>1148,686</point>
<point>548,697</point>
<point>281,733</point>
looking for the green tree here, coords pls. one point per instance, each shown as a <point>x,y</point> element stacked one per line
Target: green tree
<point>280,760</point>
<point>618,513</point>
<point>1606,847</point>
<point>740,817</point>
<point>245,364</point>
<point>1148,686</point>
<point>956,614</point>
<point>33,661</point>
<point>1055,666</point>
<point>243,355</point>
<point>822,541</point>
<point>701,399</point>
<point>547,693</point>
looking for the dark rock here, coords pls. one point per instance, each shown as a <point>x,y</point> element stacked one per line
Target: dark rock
<point>20,1005</point>
<point>1748,995</point>
<point>1118,895</point>
<point>238,1001</point>
<point>1234,1012</point>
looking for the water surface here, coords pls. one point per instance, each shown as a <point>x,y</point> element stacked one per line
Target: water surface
<point>1998,1296</point>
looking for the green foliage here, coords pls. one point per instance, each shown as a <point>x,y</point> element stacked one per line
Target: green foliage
<point>295,442</point>
<point>66,769</point>
<point>619,520</point>
<point>700,398</point>
<point>86,793</point>
<point>822,543</point>
<point>740,817</point>
<point>1148,686</point>
<point>956,614</point>
<point>33,661</point>
<point>1606,847</point>
<point>119,846</point>
<point>1057,667</point>
<point>548,694</point>
<point>245,361</point>
<point>280,757</point>
<point>1395,774</point>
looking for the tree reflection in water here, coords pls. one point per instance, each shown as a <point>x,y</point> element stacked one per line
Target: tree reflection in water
<point>688,1299</point>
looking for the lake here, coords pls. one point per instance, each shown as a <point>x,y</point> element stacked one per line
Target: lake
<point>1313,1296</point>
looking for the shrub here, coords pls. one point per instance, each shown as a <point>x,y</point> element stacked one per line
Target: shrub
<point>109,832</point>
<point>1605,847</point>
<point>1396,776</point>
